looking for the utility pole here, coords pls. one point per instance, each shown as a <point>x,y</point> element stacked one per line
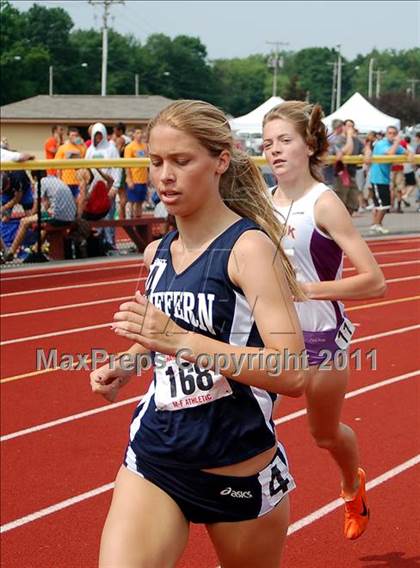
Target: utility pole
<point>275,62</point>
<point>370,80</point>
<point>339,66</point>
<point>333,89</point>
<point>136,84</point>
<point>106,6</point>
<point>51,80</point>
<point>378,82</point>
<point>413,86</point>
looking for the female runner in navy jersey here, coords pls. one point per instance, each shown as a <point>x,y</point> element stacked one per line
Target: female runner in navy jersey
<point>318,231</point>
<point>202,443</point>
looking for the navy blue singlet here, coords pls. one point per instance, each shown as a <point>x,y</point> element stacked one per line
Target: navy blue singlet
<point>191,417</point>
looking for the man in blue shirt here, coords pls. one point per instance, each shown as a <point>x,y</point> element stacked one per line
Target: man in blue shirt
<point>380,177</point>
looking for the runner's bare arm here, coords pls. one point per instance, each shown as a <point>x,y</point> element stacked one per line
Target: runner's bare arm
<point>332,217</point>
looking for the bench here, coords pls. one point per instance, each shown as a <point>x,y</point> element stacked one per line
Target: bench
<point>141,231</point>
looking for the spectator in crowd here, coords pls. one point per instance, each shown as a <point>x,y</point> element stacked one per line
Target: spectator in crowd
<point>94,201</point>
<point>369,143</point>
<point>136,178</point>
<point>417,170</point>
<point>380,177</point>
<point>397,184</point>
<point>409,173</point>
<point>417,143</point>
<point>334,139</point>
<point>101,148</point>
<point>121,140</point>
<point>58,208</point>
<point>346,185</point>
<point>7,155</point>
<point>119,137</point>
<point>52,144</point>
<point>88,142</point>
<point>16,190</point>
<point>72,149</point>
<point>13,187</point>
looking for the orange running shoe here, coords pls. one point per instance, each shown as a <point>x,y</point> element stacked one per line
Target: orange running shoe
<point>356,512</point>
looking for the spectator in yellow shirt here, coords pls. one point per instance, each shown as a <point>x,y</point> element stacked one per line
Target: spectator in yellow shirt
<point>72,149</point>
<point>136,178</point>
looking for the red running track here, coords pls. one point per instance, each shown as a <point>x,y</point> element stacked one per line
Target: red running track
<point>46,463</point>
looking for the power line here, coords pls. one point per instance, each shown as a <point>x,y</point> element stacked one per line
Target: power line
<point>106,6</point>
<point>275,62</point>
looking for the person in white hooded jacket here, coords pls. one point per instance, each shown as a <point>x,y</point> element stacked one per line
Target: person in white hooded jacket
<point>103,149</point>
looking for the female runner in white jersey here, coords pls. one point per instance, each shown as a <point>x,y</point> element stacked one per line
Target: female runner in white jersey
<point>202,444</point>
<point>318,231</point>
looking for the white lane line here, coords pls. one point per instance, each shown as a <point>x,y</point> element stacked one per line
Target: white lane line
<point>386,265</point>
<point>282,420</point>
<point>352,394</point>
<point>71,287</point>
<point>65,307</point>
<point>96,302</point>
<point>55,333</point>
<point>71,418</point>
<point>384,241</point>
<point>319,513</point>
<point>57,507</point>
<point>405,279</point>
<point>76,330</point>
<point>41,290</point>
<point>386,333</point>
<point>296,526</point>
<point>396,251</point>
<point>134,264</point>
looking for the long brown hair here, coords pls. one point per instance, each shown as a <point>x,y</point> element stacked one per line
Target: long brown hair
<point>307,119</point>
<point>242,186</point>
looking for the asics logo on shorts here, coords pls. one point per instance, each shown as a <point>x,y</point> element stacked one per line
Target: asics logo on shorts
<point>236,494</point>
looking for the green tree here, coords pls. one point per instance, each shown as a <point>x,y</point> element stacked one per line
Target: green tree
<point>400,105</point>
<point>176,68</point>
<point>396,66</point>
<point>311,66</point>
<point>241,83</point>
<point>22,65</point>
<point>294,91</point>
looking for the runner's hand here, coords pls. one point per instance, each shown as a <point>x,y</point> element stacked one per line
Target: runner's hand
<point>142,322</point>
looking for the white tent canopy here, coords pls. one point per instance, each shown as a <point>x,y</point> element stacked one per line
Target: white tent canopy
<point>252,122</point>
<point>366,116</point>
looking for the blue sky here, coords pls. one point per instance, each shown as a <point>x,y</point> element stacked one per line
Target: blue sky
<point>237,29</point>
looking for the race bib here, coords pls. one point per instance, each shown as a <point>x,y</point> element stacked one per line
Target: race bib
<point>186,385</point>
<point>344,334</point>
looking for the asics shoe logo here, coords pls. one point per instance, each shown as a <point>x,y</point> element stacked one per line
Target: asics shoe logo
<point>236,494</point>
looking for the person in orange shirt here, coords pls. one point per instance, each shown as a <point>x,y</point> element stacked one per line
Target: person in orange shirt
<point>136,178</point>
<point>52,143</point>
<point>73,149</point>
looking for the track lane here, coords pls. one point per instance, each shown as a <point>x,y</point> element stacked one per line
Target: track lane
<point>389,541</point>
<point>85,444</point>
<point>53,529</point>
<point>68,392</point>
<point>395,449</point>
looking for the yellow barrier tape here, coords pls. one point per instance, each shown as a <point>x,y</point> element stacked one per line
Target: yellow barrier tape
<point>145,162</point>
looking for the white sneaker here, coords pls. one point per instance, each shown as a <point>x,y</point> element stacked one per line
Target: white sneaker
<point>382,230</point>
<point>373,228</point>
